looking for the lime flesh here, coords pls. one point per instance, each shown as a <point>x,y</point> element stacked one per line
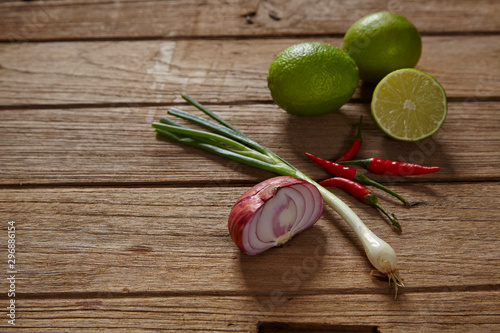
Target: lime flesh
<point>409,105</point>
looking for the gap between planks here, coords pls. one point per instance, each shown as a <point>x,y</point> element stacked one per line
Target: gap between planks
<point>471,33</point>
<point>194,184</point>
<point>76,106</point>
<point>234,293</point>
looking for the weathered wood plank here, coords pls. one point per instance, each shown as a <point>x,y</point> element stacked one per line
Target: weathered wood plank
<point>418,312</point>
<point>212,70</point>
<point>156,256</point>
<point>42,20</point>
<point>175,241</point>
<point>118,145</point>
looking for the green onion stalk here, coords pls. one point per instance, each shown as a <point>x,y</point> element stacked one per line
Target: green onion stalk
<point>226,140</point>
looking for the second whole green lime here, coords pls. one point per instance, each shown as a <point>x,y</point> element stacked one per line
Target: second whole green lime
<point>381,43</point>
<point>310,79</point>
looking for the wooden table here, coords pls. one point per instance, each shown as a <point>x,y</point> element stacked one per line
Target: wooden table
<point>118,230</point>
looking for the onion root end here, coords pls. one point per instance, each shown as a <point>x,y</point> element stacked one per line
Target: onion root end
<point>283,239</point>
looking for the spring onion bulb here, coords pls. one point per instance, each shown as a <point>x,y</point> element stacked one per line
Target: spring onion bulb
<point>272,212</point>
<point>225,140</point>
<point>380,254</point>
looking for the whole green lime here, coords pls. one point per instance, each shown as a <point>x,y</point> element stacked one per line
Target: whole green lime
<point>310,79</point>
<point>381,43</point>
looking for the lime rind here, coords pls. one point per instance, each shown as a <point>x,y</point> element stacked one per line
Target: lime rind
<point>381,43</point>
<point>409,105</point>
<point>312,78</point>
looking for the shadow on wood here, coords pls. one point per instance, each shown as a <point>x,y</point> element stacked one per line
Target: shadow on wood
<point>280,273</point>
<point>277,327</point>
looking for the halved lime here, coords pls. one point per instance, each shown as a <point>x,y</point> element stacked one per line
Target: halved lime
<point>409,105</point>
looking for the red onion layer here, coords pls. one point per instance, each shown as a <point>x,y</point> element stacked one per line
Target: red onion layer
<point>272,212</point>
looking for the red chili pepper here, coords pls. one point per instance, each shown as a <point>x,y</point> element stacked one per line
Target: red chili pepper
<point>350,173</point>
<point>334,168</point>
<point>380,166</point>
<point>355,145</point>
<point>362,193</point>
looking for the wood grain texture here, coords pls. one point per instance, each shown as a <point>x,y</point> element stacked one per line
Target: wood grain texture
<point>120,231</point>
<point>216,71</point>
<point>118,145</point>
<point>419,312</point>
<point>48,20</point>
<point>174,241</point>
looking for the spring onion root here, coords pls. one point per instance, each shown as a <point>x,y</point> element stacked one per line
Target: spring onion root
<point>225,140</point>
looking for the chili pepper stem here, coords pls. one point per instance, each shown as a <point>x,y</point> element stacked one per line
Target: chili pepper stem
<point>363,163</point>
<point>348,172</point>
<point>372,200</point>
<point>382,166</point>
<point>361,178</point>
<point>358,134</point>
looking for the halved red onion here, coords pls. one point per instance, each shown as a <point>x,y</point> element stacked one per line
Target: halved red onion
<point>272,212</point>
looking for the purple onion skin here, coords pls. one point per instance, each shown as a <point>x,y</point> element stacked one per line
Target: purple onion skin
<point>255,198</point>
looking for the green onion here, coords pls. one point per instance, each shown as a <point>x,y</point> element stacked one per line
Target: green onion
<point>225,140</point>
